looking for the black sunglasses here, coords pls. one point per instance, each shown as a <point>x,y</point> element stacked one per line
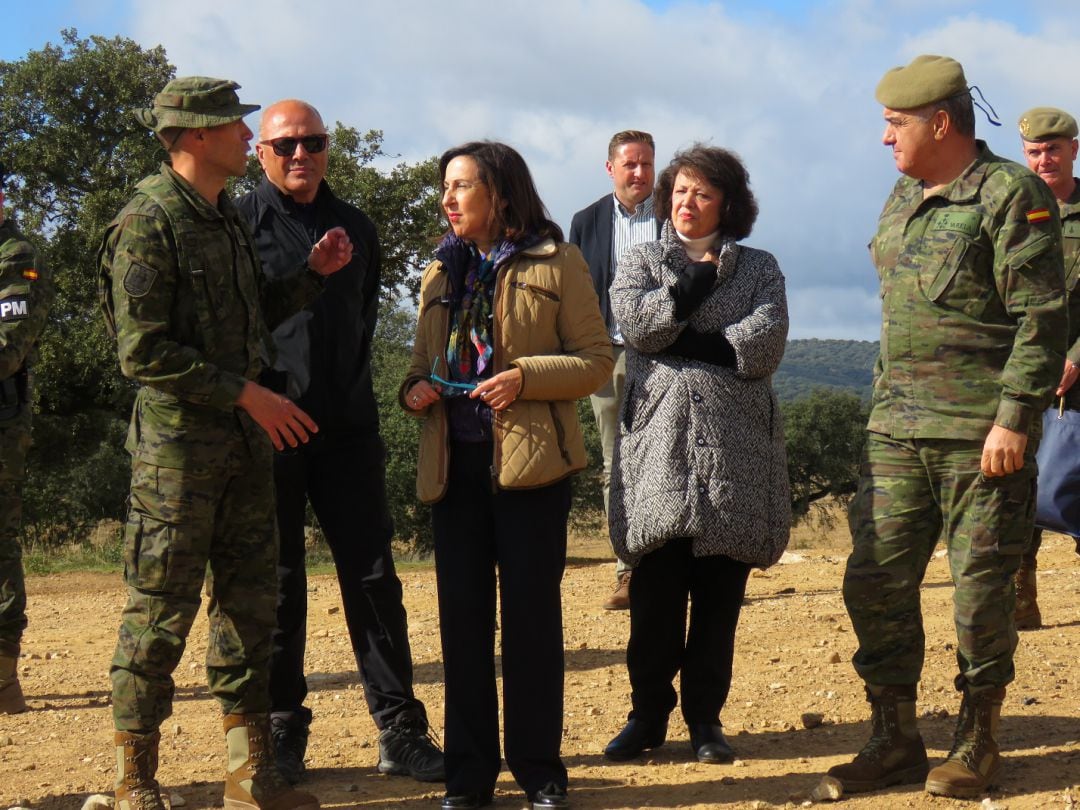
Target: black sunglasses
<point>286,147</point>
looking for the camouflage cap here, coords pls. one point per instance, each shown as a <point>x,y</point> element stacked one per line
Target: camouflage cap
<point>925,80</point>
<point>194,101</point>
<point>1045,123</point>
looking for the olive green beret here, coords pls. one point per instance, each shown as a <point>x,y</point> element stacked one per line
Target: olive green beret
<point>1044,123</point>
<point>927,79</point>
<point>194,101</point>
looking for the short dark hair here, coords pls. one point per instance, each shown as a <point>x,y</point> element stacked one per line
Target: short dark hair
<point>960,109</point>
<point>629,136</point>
<point>722,169</point>
<point>515,203</point>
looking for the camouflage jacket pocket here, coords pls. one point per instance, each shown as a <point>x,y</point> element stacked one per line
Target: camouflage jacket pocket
<point>958,282</point>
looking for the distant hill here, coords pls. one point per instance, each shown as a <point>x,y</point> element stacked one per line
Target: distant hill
<point>842,364</point>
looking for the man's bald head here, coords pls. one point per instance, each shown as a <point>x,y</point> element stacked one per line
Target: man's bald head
<point>299,172</point>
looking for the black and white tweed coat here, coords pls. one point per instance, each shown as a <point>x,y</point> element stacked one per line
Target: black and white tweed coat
<point>699,451</point>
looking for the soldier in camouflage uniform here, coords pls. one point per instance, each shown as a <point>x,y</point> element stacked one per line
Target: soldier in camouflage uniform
<point>26,293</point>
<point>1048,138</point>
<point>182,289</point>
<point>968,251</point>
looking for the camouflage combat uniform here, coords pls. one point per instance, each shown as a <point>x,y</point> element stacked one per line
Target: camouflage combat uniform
<point>26,293</point>
<point>973,335</point>
<point>180,284</point>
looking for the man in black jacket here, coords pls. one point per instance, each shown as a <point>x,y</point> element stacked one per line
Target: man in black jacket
<point>604,231</point>
<point>324,365</point>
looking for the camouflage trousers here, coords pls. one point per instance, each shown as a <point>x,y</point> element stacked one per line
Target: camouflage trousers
<point>181,523</point>
<point>14,444</point>
<point>911,493</point>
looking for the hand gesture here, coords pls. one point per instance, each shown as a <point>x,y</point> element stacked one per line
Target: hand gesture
<point>331,253</point>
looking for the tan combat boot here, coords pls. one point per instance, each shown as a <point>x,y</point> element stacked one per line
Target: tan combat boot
<point>253,780</point>
<point>11,695</point>
<point>1027,616</point>
<point>136,764</point>
<point>975,760</point>
<point>894,754</point>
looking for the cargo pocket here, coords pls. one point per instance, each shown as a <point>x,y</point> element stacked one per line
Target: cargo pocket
<point>999,514</point>
<point>148,550</point>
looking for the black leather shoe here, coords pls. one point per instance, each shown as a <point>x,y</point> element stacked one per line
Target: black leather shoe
<point>465,801</point>
<point>551,795</point>
<point>636,736</point>
<point>707,740</point>
<point>289,732</point>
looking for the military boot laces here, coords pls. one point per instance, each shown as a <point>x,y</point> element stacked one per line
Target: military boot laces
<point>1027,616</point>
<point>974,762</point>
<point>253,780</point>
<point>894,754</point>
<point>137,761</point>
<point>408,748</point>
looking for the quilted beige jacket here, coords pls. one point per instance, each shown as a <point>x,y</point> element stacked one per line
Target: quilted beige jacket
<point>547,323</point>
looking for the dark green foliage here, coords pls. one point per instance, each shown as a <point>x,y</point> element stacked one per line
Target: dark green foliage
<point>400,432</point>
<point>824,434</point>
<point>74,149</point>
<point>842,365</point>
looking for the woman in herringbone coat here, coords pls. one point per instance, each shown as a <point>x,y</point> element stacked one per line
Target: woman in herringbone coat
<point>699,487</point>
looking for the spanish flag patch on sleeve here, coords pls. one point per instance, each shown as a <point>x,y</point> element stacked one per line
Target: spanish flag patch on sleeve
<point>1038,215</point>
<point>30,274</point>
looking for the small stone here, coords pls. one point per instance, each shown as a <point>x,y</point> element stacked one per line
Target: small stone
<point>1029,701</point>
<point>177,730</point>
<point>176,800</point>
<point>829,789</point>
<point>738,764</point>
<point>98,801</point>
<point>727,780</point>
<point>775,659</point>
<point>352,788</point>
<point>345,733</point>
<point>811,719</point>
<point>785,591</point>
<point>990,804</point>
<point>5,740</point>
<point>777,685</point>
<point>330,611</point>
<point>592,711</point>
<point>833,657</point>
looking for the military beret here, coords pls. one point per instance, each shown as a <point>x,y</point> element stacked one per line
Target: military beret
<point>1044,123</point>
<point>194,101</point>
<point>925,80</point>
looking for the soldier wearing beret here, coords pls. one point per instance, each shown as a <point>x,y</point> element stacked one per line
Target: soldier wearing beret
<point>968,253</point>
<point>1048,138</point>
<point>182,290</point>
<point>26,293</point>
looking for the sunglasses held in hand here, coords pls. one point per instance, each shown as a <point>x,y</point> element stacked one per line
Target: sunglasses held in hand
<point>286,147</point>
<point>448,388</point>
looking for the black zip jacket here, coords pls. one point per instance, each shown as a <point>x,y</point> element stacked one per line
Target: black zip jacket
<point>324,352</point>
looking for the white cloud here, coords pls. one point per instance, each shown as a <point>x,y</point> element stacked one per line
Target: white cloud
<point>793,97</point>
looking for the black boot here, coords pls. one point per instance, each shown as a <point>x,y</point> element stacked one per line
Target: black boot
<point>289,732</point>
<point>407,749</point>
<point>709,744</point>
<point>637,735</point>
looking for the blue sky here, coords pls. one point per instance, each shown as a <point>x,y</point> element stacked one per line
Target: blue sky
<point>788,85</point>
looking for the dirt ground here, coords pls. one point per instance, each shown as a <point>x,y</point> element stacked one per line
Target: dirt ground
<point>794,647</point>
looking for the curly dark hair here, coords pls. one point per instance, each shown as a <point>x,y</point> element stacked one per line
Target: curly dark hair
<point>515,203</point>
<point>722,169</point>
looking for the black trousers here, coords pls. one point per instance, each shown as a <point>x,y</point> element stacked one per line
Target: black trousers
<point>522,535</point>
<point>345,480</point>
<point>660,644</point>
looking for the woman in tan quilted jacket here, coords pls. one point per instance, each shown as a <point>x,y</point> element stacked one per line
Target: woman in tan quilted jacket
<point>509,336</point>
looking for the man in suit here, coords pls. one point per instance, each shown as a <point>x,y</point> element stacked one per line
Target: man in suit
<point>604,231</point>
